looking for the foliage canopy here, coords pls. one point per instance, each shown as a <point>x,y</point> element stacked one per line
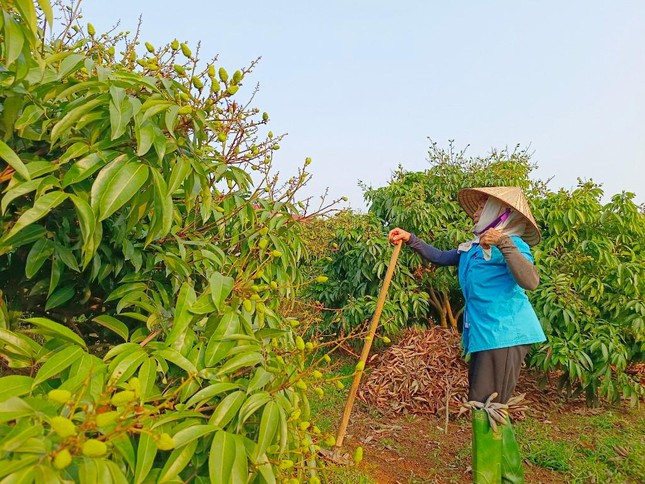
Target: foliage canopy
<point>591,262</point>
<point>146,248</point>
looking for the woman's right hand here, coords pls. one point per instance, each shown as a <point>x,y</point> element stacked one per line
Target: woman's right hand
<point>397,235</point>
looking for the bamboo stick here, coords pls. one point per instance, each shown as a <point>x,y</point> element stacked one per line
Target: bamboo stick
<point>366,348</point>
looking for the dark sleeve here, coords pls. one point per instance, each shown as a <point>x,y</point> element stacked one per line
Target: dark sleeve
<point>522,269</point>
<point>432,254</point>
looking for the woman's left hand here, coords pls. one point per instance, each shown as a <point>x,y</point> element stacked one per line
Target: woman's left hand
<point>490,237</point>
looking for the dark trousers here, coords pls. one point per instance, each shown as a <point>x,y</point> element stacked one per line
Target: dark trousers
<point>495,371</point>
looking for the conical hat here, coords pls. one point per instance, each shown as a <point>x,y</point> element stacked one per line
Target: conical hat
<point>512,196</point>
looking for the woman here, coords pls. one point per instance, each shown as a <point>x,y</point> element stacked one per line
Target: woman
<point>500,324</point>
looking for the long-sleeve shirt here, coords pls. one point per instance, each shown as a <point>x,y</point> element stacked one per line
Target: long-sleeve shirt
<point>523,271</point>
<point>498,313</point>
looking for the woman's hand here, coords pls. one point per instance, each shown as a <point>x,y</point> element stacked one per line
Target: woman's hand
<point>397,235</point>
<point>490,237</point>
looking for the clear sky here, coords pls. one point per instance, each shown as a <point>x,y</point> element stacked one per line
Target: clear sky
<point>360,85</point>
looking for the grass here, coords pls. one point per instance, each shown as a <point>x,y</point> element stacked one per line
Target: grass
<point>609,447</point>
<point>325,410</point>
<point>348,475</point>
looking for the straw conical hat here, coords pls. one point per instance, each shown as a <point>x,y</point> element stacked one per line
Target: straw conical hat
<point>512,196</point>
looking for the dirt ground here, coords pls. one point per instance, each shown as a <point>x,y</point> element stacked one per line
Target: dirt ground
<point>418,450</point>
<point>411,449</point>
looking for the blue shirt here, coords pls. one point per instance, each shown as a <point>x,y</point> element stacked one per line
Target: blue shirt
<point>498,313</point>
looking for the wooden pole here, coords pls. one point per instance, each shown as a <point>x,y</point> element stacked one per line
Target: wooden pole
<point>366,348</point>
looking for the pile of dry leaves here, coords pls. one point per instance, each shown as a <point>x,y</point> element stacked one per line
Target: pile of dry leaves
<point>419,375</point>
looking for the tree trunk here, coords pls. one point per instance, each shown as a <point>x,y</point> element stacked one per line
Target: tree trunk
<point>439,306</point>
<point>451,318</point>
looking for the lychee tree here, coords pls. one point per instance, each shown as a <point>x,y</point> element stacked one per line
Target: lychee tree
<point>146,246</point>
<point>591,263</point>
<point>426,204</point>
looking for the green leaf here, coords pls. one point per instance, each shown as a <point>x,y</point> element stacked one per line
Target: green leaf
<point>177,461</point>
<point>10,467</point>
<point>39,253</point>
<point>19,343</point>
<point>204,304</point>
<point>23,476</point>
<point>72,117</point>
<point>146,452</point>
<point>42,207</point>
<point>171,119</point>
<point>57,329</point>
<point>54,277</point>
<point>8,155</point>
<point>211,391</point>
<point>13,408</point>
<point>19,190</point>
<point>77,149</point>
<point>57,363</point>
<point>30,234</point>
<point>268,333</point>
<point>259,380</point>
<point>145,137</point>
<point>217,349</point>
<point>29,116</point>
<point>147,378</point>
<point>60,297</point>
<point>116,474</point>
<point>179,173</point>
<point>13,39</point>
<point>127,366</point>
<point>28,13</point>
<point>45,6</point>
<point>113,324</point>
<point>19,436</point>
<point>15,386</point>
<point>252,405</point>
<point>240,361</point>
<point>163,209</point>
<point>266,471</point>
<point>66,255</point>
<point>84,168</point>
<point>221,458</point>
<point>87,223</point>
<point>175,264</point>
<point>221,286</point>
<point>175,357</point>
<point>183,317</point>
<point>175,416</point>
<point>123,445</point>
<point>268,427</point>
<point>126,289</point>
<point>192,433</point>
<point>121,111</point>
<point>115,185</point>
<point>158,107</point>
<point>240,470</point>
<point>227,409</point>
<point>39,168</point>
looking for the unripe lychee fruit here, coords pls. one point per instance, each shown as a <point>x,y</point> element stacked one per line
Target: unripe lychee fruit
<point>62,459</point>
<point>94,448</point>
<point>64,427</point>
<point>59,396</point>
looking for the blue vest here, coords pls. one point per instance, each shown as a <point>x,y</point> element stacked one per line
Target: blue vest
<point>498,313</point>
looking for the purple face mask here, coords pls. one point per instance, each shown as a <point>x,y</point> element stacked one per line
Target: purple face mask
<point>495,222</point>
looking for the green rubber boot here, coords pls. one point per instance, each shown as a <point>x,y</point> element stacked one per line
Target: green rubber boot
<point>512,470</point>
<point>487,450</point>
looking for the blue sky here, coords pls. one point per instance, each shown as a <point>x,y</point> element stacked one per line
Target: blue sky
<point>359,86</point>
